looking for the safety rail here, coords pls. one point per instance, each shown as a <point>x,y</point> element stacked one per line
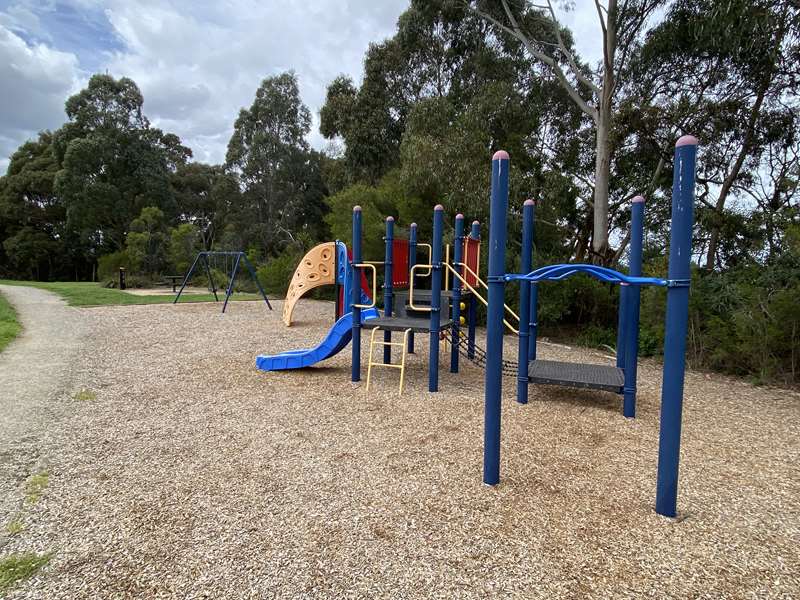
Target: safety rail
<point>430,258</point>
<point>486,287</point>
<point>411,289</point>
<point>374,283</point>
<point>477,295</point>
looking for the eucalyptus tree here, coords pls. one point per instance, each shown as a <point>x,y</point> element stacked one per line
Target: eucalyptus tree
<point>279,176</point>
<point>112,163</point>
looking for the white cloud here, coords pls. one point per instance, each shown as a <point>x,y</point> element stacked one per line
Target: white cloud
<point>35,80</point>
<point>197,64</point>
<point>198,68</point>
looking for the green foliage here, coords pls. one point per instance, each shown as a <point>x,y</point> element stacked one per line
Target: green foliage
<point>743,322</point>
<point>276,275</point>
<point>112,163</point>
<point>85,395</point>
<point>595,336</point>
<point>280,176</point>
<point>18,567</point>
<point>147,242</point>
<point>184,244</point>
<point>15,527</point>
<point>108,265</point>
<point>36,486</point>
<point>9,326</point>
<point>377,202</point>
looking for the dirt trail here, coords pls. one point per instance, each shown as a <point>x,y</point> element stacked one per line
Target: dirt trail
<point>34,372</point>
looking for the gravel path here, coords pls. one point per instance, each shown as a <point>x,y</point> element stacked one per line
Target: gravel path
<point>34,371</point>
<point>193,475</point>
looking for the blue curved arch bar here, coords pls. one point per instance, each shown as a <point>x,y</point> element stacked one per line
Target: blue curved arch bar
<point>559,272</point>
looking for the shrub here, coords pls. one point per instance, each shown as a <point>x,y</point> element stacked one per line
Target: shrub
<point>276,275</point>
<point>108,265</point>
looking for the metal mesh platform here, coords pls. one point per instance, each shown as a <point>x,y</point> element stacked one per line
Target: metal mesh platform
<point>403,323</point>
<point>599,377</point>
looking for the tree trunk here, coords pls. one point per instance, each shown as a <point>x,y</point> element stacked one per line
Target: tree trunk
<point>602,167</point>
<point>602,171</point>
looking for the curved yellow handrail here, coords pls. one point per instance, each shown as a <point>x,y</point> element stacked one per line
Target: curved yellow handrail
<point>374,284</point>
<point>411,289</point>
<point>430,257</point>
<point>478,296</point>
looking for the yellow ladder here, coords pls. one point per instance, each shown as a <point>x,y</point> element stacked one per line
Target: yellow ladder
<point>381,343</point>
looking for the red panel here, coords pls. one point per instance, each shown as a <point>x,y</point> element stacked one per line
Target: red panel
<point>400,263</point>
<point>472,257</point>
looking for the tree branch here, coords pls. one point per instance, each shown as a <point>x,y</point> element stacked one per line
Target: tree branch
<point>540,56</point>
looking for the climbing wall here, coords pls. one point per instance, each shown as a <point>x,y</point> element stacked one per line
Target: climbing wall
<point>317,268</point>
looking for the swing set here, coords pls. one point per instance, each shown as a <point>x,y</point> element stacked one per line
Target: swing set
<point>236,258</point>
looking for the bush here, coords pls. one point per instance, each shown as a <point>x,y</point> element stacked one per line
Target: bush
<point>276,275</point>
<point>595,336</point>
<point>108,265</point>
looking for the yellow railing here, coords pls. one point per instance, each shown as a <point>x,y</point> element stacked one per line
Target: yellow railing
<point>374,283</point>
<point>430,257</point>
<point>478,295</point>
<point>401,366</point>
<point>411,289</point>
<point>486,287</point>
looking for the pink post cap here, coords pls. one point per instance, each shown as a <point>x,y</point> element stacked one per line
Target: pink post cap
<point>529,202</point>
<point>459,216</point>
<point>413,225</point>
<point>390,218</point>
<point>438,207</point>
<point>476,222</point>
<point>500,155</point>
<point>356,208</point>
<point>638,199</point>
<point>686,140</point>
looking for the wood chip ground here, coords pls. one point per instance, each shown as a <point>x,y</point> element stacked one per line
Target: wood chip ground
<point>193,475</point>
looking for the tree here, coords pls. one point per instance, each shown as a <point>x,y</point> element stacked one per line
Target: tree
<point>278,174</point>
<point>32,215</point>
<point>112,163</point>
<point>729,73</point>
<point>147,242</point>
<point>204,194</point>
<point>594,92</point>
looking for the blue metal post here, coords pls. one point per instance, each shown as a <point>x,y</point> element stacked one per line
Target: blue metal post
<point>412,260</point>
<point>494,320</point>
<point>472,317</point>
<point>458,257</point>
<point>229,291</point>
<point>632,298</point>
<point>186,278</point>
<point>622,319</point>
<point>355,284</point>
<point>387,287</point>
<point>436,300</point>
<point>533,313</point>
<point>524,302</point>
<point>680,252</point>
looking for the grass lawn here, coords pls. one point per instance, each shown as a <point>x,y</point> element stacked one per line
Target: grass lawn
<point>9,326</point>
<point>93,294</point>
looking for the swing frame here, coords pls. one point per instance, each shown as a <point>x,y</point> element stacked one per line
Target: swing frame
<point>239,257</point>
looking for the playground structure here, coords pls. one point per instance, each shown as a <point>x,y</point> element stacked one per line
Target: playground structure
<point>420,311</point>
<point>677,284</point>
<point>238,259</point>
<point>406,309</point>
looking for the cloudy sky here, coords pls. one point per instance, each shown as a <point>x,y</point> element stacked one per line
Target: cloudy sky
<point>197,63</point>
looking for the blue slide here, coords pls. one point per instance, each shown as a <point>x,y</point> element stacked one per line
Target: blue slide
<point>336,340</point>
